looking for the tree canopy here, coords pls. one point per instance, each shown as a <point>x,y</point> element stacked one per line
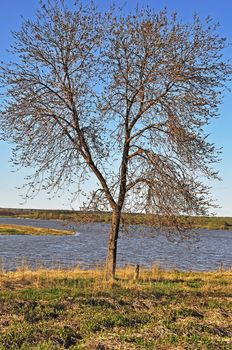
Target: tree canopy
<point>124,97</point>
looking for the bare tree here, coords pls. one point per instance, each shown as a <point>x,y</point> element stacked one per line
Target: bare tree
<point>123,97</point>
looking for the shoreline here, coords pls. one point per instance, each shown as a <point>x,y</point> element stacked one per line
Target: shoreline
<point>201,222</point>
<point>11,229</point>
<point>223,227</point>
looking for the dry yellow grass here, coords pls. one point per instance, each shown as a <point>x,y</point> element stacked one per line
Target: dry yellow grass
<point>24,276</point>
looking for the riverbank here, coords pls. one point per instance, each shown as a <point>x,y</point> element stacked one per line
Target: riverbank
<point>77,309</point>
<point>201,222</point>
<point>7,229</point>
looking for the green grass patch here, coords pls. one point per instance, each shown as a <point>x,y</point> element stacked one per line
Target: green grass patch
<point>6,229</point>
<point>80,310</point>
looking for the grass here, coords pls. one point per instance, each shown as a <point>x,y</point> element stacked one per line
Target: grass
<point>6,229</point>
<point>77,309</point>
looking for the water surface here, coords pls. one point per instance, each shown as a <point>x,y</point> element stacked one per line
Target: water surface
<point>89,247</point>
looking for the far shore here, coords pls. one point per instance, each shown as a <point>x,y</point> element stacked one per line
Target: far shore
<point>197,222</point>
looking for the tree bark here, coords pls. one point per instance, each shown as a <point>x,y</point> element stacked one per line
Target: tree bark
<point>112,245</point>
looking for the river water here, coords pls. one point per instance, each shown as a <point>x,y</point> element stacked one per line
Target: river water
<point>88,248</point>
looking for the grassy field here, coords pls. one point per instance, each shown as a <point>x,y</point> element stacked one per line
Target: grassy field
<point>6,229</point>
<point>76,309</point>
<point>213,223</point>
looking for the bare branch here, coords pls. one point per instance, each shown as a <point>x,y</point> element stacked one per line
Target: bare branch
<point>125,98</point>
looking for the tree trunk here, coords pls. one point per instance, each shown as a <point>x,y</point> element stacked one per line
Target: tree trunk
<point>112,245</point>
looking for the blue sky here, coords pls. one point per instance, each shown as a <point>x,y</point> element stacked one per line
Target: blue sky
<point>11,14</point>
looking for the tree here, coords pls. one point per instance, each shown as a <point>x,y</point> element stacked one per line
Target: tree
<point>123,97</point>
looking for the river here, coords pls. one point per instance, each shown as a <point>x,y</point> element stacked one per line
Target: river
<point>88,248</point>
